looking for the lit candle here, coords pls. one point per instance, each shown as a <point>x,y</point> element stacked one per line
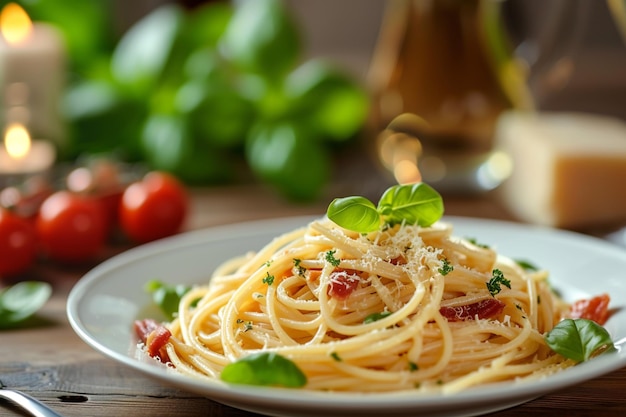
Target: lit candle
<point>21,157</point>
<point>32,73</point>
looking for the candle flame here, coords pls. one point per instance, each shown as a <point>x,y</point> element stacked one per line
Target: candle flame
<point>17,141</point>
<point>15,24</point>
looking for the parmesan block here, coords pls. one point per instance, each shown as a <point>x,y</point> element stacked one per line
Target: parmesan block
<point>568,169</point>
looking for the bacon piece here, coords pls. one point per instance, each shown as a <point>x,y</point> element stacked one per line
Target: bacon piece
<point>483,309</point>
<point>342,283</point>
<point>595,308</point>
<point>155,336</point>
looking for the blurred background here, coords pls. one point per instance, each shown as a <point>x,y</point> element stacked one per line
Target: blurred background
<point>307,96</point>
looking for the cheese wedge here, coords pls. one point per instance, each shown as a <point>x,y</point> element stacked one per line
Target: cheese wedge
<point>568,169</point>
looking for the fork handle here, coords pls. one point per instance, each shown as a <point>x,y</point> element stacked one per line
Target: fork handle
<point>28,403</point>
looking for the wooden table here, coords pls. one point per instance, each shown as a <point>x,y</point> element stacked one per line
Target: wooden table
<point>51,363</point>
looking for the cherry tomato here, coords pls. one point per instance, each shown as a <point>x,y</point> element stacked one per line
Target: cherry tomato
<point>71,227</point>
<point>101,181</point>
<point>595,308</point>
<point>153,208</point>
<point>18,243</point>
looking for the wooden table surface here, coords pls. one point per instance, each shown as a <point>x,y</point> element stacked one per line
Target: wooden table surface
<point>51,363</point>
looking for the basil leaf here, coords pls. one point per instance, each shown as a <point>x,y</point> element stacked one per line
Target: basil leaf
<point>267,368</point>
<point>412,203</point>
<point>334,103</point>
<point>142,54</point>
<point>262,37</point>
<point>527,265</point>
<point>22,300</point>
<point>354,213</point>
<point>579,339</point>
<point>376,316</point>
<point>167,297</point>
<point>286,155</point>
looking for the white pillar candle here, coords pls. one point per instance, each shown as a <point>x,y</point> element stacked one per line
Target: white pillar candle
<point>20,156</point>
<point>32,74</point>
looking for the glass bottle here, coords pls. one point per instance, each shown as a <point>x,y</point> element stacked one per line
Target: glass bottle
<point>441,75</point>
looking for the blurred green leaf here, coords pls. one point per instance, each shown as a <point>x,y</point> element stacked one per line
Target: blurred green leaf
<point>200,92</point>
<point>143,52</point>
<point>333,102</point>
<point>269,98</point>
<point>166,296</point>
<point>218,114</point>
<point>262,38</point>
<point>205,64</point>
<point>169,146</point>
<point>86,26</point>
<point>288,156</point>
<point>20,301</point>
<point>103,119</point>
<point>207,23</point>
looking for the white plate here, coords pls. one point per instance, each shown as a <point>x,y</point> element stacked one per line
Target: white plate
<point>105,302</point>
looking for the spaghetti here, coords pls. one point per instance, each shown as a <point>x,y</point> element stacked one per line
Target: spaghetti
<point>407,307</point>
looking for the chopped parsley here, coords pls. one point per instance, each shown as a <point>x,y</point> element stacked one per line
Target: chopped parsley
<point>335,356</point>
<point>268,279</point>
<point>330,258</point>
<point>300,270</point>
<point>413,366</point>
<point>497,279</point>
<point>446,267</point>
<point>247,325</point>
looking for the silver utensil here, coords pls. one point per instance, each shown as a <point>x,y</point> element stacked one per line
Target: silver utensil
<point>27,403</point>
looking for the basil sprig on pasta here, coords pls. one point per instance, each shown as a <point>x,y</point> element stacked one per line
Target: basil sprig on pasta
<point>410,203</point>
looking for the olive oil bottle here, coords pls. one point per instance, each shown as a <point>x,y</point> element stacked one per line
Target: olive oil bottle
<point>441,74</point>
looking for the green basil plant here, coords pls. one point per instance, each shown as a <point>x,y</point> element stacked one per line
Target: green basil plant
<point>202,93</point>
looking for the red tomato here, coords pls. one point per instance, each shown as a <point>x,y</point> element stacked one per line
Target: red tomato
<point>153,208</point>
<point>71,227</point>
<point>595,308</point>
<point>18,243</point>
<point>110,202</point>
